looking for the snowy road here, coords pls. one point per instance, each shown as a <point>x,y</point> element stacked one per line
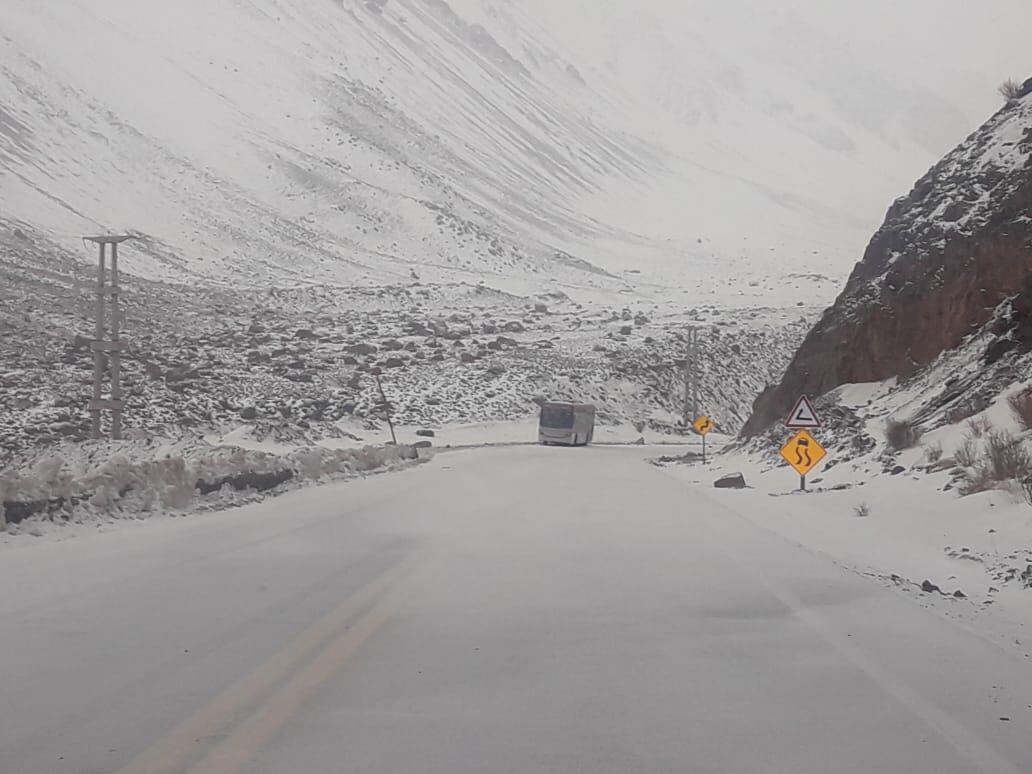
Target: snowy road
<point>514,610</point>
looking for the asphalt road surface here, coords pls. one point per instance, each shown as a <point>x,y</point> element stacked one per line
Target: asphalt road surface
<point>513,610</point>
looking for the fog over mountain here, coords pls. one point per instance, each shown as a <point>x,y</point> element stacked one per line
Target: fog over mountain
<point>287,141</point>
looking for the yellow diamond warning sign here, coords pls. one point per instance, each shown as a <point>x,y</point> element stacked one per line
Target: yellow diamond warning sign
<point>704,426</point>
<point>803,452</point>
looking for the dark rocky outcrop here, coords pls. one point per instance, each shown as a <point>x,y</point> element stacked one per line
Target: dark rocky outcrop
<point>953,257</point>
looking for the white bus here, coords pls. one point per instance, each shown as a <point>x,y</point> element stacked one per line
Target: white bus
<point>566,424</point>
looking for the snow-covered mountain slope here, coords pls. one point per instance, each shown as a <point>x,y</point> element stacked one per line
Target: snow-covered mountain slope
<point>532,142</point>
<point>947,277</point>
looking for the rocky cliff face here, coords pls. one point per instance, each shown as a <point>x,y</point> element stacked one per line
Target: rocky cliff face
<point>954,257</point>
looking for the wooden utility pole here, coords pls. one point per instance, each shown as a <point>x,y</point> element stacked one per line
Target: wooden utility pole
<point>101,345</point>
<point>386,405</point>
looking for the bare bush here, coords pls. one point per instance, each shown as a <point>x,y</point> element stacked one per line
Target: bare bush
<point>967,453</point>
<point>976,481</point>
<point>1010,89</point>
<point>933,453</point>
<point>979,426</point>
<point>1026,489</point>
<point>1021,407</point>
<point>1006,457</point>
<point>902,434</point>
<point>862,511</point>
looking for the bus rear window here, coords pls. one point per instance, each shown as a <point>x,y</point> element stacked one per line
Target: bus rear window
<point>557,416</point>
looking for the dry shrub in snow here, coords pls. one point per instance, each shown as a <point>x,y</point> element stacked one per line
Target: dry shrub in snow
<point>902,434</point>
<point>862,511</point>
<point>1021,407</point>
<point>976,481</point>
<point>980,426</point>
<point>967,453</point>
<point>1006,457</point>
<point>1006,460</point>
<point>1010,89</point>
<point>933,453</point>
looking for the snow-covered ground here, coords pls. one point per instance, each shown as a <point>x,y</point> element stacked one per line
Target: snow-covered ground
<point>900,517</point>
<point>516,609</point>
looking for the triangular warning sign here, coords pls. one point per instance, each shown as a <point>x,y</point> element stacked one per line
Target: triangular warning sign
<point>803,416</point>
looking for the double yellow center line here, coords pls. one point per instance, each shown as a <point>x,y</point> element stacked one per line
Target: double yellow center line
<point>276,690</point>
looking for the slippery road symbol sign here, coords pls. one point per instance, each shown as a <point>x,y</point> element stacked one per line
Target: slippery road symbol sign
<point>704,426</point>
<point>803,452</point>
<point>803,416</point>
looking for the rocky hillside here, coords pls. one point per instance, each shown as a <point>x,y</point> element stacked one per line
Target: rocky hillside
<point>951,265</point>
<point>297,365</point>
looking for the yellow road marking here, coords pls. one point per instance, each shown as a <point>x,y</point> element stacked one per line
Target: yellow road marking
<point>255,733</point>
<point>170,754</point>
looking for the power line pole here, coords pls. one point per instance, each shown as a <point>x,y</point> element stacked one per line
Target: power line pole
<point>698,374</point>
<point>691,377</point>
<point>386,406</point>
<point>111,347</point>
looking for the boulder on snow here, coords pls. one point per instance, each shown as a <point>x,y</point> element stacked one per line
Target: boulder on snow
<point>734,481</point>
<point>425,433</point>
<point>930,588</point>
<point>248,413</point>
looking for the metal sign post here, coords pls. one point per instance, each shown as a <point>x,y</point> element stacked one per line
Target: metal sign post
<point>803,416</point>
<point>703,426</point>
<point>803,453</point>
